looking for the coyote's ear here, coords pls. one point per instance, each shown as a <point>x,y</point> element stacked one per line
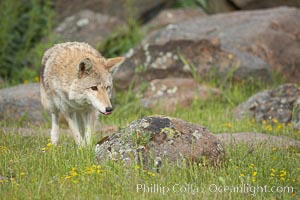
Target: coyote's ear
<point>84,67</point>
<point>112,64</point>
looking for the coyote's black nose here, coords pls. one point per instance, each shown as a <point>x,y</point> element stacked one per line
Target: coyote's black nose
<point>109,109</point>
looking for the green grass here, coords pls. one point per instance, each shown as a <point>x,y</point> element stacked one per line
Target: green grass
<point>37,170</point>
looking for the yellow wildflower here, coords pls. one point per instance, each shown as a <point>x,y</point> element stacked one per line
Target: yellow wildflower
<point>37,79</point>
<point>273,170</point>
<point>68,177</point>
<point>49,144</point>
<point>242,175</point>
<point>73,173</point>
<point>283,173</point>
<point>275,121</point>
<point>228,125</point>
<point>254,173</point>
<point>137,167</point>
<point>251,165</point>
<point>25,82</point>
<point>152,174</point>
<point>279,127</point>
<point>272,174</point>
<point>269,127</point>
<point>73,169</point>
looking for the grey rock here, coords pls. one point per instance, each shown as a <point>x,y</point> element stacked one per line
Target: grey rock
<point>278,103</point>
<point>272,35</point>
<point>88,26</point>
<point>152,140</point>
<point>21,104</point>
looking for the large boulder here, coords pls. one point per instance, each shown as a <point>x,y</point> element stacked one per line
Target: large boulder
<point>202,59</point>
<point>251,38</point>
<point>87,26</point>
<point>275,38</point>
<point>153,140</point>
<point>167,94</point>
<point>279,103</point>
<point>21,104</point>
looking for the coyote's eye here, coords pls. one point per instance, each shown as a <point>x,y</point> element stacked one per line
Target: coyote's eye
<point>94,88</point>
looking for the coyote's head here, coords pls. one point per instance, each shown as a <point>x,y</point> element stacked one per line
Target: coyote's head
<point>93,83</point>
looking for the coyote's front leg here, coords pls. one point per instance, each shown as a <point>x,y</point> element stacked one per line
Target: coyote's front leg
<point>89,121</point>
<point>75,125</point>
<point>55,128</point>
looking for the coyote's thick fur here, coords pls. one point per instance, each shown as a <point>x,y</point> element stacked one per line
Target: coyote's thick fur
<point>76,81</point>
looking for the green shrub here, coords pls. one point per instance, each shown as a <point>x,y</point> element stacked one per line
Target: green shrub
<point>121,41</point>
<point>23,25</point>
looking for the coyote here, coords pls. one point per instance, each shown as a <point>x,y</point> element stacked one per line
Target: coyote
<point>76,81</point>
